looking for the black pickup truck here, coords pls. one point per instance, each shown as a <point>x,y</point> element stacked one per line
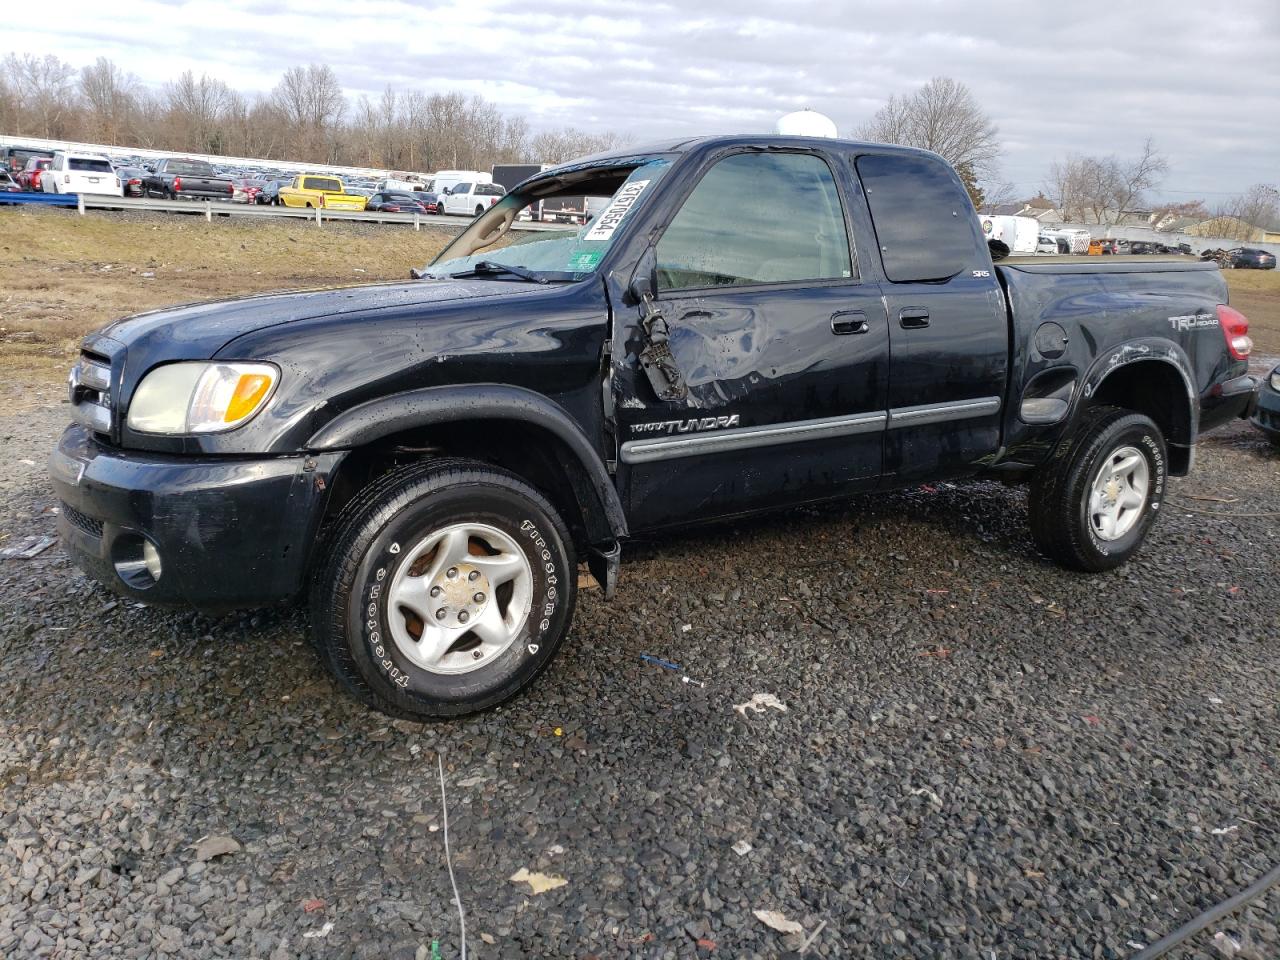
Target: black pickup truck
<point>751,323</point>
<point>178,179</point>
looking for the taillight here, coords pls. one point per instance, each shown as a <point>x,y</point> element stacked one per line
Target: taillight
<point>1235,327</point>
<point>177,183</point>
<point>231,188</point>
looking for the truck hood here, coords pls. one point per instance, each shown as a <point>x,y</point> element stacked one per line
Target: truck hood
<point>198,331</point>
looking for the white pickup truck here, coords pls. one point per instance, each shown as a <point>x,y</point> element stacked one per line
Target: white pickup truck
<point>470,199</point>
<point>81,173</point>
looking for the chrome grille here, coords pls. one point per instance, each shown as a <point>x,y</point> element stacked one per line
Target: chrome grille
<point>90,388</point>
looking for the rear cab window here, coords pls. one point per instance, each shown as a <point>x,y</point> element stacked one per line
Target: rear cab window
<point>189,168</point>
<point>921,215</point>
<point>325,184</point>
<point>88,165</point>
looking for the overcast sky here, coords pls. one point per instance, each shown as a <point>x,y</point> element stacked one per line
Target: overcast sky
<point>1201,77</point>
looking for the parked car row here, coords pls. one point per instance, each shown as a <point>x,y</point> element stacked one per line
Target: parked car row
<point>1241,258</point>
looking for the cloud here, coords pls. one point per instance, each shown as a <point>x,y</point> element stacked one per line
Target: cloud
<point>1201,79</point>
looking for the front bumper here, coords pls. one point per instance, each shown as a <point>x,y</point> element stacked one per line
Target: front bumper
<point>229,532</point>
<point>1267,415</point>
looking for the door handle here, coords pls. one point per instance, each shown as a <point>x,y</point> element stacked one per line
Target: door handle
<point>849,321</point>
<point>913,318</point>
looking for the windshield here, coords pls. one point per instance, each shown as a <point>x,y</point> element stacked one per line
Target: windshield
<point>557,254</point>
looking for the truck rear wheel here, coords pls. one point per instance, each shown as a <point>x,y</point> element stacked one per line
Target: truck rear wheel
<point>447,587</point>
<point>1093,504</point>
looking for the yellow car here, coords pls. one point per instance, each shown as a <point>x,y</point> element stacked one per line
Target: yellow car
<point>327,192</point>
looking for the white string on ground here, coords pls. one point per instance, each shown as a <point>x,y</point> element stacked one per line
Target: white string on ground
<point>448,859</point>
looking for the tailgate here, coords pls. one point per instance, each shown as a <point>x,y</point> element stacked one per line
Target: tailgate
<point>343,201</point>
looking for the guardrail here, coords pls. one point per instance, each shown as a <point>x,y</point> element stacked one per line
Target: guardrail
<point>225,208</point>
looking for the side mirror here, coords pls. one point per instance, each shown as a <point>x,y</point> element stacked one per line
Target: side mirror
<point>643,285</point>
<point>641,288</point>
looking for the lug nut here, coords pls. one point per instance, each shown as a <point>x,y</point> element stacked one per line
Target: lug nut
<point>440,614</point>
<point>453,572</point>
<point>478,598</point>
<point>473,575</point>
<point>476,655</point>
<point>463,616</point>
<point>435,591</point>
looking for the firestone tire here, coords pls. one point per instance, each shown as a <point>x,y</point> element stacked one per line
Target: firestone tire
<point>1063,521</point>
<point>373,549</point>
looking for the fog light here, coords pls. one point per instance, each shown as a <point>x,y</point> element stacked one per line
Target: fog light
<point>137,561</point>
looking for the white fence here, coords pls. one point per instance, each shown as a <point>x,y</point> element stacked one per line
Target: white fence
<point>124,151</point>
<point>223,208</point>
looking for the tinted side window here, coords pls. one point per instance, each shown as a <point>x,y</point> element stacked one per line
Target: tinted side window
<point>922,217</point>
<point>461,188</point>
<point>86,165</point>
<point>757,218</point>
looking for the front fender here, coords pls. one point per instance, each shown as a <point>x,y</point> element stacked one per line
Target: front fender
<point>413,409</point>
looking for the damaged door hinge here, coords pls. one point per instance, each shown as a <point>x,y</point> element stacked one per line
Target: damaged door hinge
<point>659,365</point>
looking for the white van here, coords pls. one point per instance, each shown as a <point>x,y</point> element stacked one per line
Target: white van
<point>391,185</point>
<point>81,173</point>
<point>1074,240</point>
<point>445,180</point>
<point>1019,234</point>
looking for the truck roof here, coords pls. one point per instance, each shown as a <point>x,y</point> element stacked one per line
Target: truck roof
<point>685,144</point>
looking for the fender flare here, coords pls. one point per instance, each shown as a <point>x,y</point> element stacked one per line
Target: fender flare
<point>1138,351</point>
<point>375,419</point>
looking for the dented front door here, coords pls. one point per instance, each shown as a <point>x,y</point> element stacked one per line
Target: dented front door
<point>786,400</point>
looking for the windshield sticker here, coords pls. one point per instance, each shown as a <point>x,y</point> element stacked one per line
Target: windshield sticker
<point>585,260</point>
<point>609,220</point>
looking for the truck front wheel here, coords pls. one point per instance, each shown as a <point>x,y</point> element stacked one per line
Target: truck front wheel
<point>447,588</point>
<point>1093,504</point>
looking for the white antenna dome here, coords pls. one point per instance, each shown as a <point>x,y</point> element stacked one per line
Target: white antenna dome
<point>806,123</point>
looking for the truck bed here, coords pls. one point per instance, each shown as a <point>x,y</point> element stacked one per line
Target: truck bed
<point>1072,263</point>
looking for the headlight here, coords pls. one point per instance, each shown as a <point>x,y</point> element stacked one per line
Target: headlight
<point>1275,379</point>
<point>200,397</point>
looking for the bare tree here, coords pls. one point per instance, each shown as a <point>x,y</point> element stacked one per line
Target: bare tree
<point>46,91</point>
<point>313,107</point>
<point>108,93</point>
<point>557,146</point>
<point>1244,217</point>
<point>1103,189</point>
<point>195,107</point>
<point>942,116</point>
<point>1133,179</point>
<point>305,117</point>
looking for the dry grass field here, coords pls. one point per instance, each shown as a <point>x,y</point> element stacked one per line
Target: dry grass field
<point>63,275</point>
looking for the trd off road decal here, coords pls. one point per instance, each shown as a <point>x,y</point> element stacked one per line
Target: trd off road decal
<point>608,221</point>
<point>552,598</point>
<point>1193,321</point>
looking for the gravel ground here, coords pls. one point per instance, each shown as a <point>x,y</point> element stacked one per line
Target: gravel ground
<point>983,756</point>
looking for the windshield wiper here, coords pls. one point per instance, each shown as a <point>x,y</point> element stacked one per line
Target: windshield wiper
<point>487,268</point>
